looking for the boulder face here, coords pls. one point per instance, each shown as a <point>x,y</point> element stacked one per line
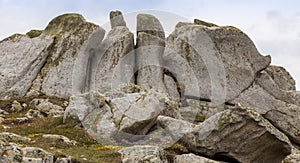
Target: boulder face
<point>150,50</point>
<point>204,86</point>
<point>22,59</point>
<point>216,63</point>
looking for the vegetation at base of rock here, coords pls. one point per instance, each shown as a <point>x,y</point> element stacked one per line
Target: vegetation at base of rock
<point>86,148</point>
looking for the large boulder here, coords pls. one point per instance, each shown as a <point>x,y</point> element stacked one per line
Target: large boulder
<point>115,60</point>
<point>250,132</point>
<point>283,115</point>
<point>22,59</point>
<point>215,63</point>
<point>69,32</point>
<point>268,81</point>
<point>281,77</point>
<point>150,49</point>
<point>123,115</point>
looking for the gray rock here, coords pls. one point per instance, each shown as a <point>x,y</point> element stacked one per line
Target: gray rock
<point>284,116</point>
<point>172,88</point>
<point>32,160</point>
<point>281,77</point>
<point>198,111</point>
<point>37,154</point>
<point>115,60</point>
<point>150,48</point>
<point>176,128</point>
<point>46,108</point>
<point>81,105</point>
<point>60,138</point>
<point>146,153</point>
<point>273,87</point>
<point>23,57</point>
<point>10,152</point>
<point>188,158</point>
<point>214,137</point>
<point>69,31</point>
<point>84,70</point>
<point>116,19</point>
<point>11,137</point>
<point>149,24</point>
<point>206,61</point>
<point>124,115</point>
<point>16,106</point>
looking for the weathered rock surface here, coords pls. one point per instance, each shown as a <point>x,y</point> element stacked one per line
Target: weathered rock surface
<point>45,108</point>
<point>195,86</point>
<point>10,152</point>
<point>129,110</point>
<point>69,32</point>
<point>269,84</point>
<point>6,136</point>
<point>61,138</point>
<point>281,77</point>
<point>116,19</point>
<point>150,49</point>
<point>294,157</point>
<point>246,127</point>
<point>36,154</point>
<point>187,158</point>
<point>136,154</point>
<point>115,60</point>
<point>206,60</point>
<point>21,60</point>
<point>284,116</point>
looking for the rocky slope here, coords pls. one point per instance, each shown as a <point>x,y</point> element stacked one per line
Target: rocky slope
<point>70,93</point>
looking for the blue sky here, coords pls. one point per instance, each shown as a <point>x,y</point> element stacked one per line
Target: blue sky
<point>273,25</point>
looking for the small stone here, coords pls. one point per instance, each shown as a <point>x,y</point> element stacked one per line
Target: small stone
<point>16,106</point>
<point>146,153</point>
<point>192,158</point>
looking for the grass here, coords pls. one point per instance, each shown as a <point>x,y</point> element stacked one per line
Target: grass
<point>86,149</point>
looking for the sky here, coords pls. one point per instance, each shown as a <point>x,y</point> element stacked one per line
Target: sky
<point>273,25</point>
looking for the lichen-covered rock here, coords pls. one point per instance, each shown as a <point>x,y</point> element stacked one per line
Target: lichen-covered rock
<point>188,158</point>
<point>281,77</point>
<point>61,138</point>
<point>215,63</point>
<point>115,60</point>
<point>250,132</point>
<point>116,19</point>
<point>21,60</point>
<point>150,49</point>
<point>284,116</point>
<point>10,152</point>
<point>273,87</point>
<point>84,70</point>
<point>46,108</point>
<point>16,106</point>
<point>37,154</point>
<point>122,115</point>
<point>69,31</point>
<point>11,137</point>
<point>146,153</point>
<point>294,157</point>
<point>172,88</point>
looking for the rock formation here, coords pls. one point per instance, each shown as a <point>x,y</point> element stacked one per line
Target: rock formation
<point>205,87</point>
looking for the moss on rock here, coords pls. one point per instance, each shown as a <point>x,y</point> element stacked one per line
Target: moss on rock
<point>34,33</point>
